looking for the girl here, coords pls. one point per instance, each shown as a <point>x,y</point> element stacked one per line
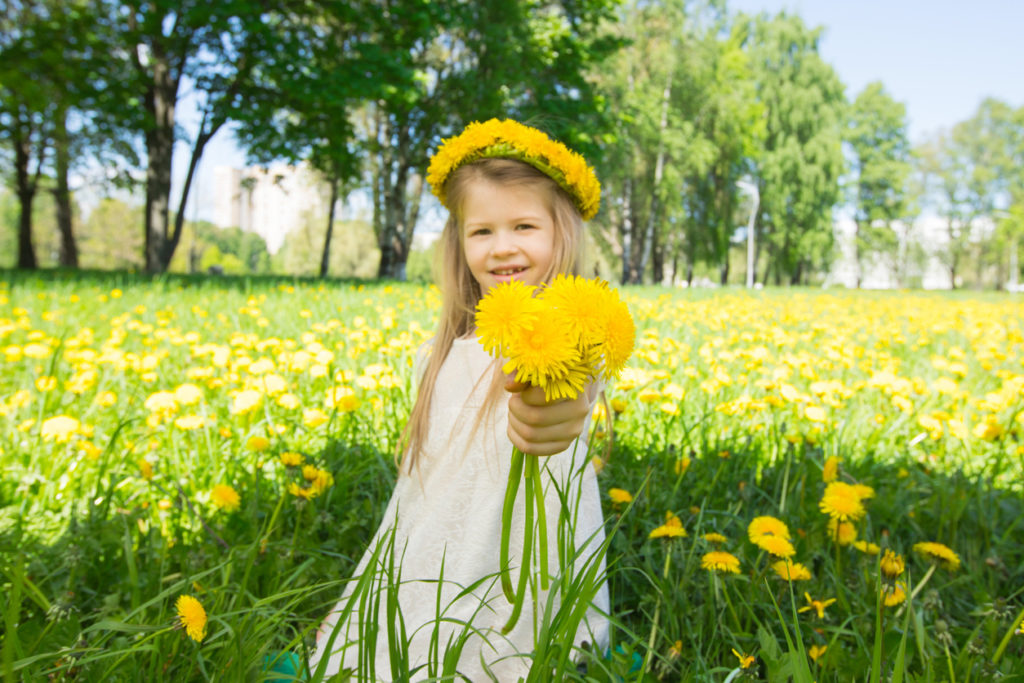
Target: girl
<point>516,202</point>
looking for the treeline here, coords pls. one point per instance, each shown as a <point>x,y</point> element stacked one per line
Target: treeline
<point>694,116</point>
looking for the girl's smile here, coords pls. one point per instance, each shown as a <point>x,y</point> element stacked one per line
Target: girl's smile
<point>508,233</point>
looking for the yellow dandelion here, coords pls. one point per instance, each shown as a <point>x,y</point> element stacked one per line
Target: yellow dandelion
<point>245,401</point>
<point>672,528</point>
<point>831,470</point>
<point>843,533</point>
<point>746,661</point>
<point>313,417</point>
<point>715,537</point>
<point>941,554</point>
<point>341,398</point>
<point>775,545</point>
<point>867,548</point>
<point>503,314</point>
<point>300,491</point>
<point>791,571</point>
<point>291,459</point>
<point>842,501</point>
<point>60,428</point>
<point>721,562</point>
<point>191,617</point>
<point>510,139</point>
<point>225,497</point>
<point>581,306</point>
<point>816,651</point>
<point>864,491</point>
<point>619,337</point>
<point>894,594</point>
<point>767,525</point>
<point>892,565</point>
<point>145,469</point>
<point>188,394</point>
<point>546,356</point>
<point>620,496</point>
<point>188,423</point>
<point>816,605</point>
<point>257,443</point>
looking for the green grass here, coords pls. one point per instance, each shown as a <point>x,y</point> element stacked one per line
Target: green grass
<point>93,553</point>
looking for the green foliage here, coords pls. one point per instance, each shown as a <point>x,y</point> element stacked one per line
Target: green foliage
<point>354,252</point>
<point>799,167</point>
<point>877,133</point>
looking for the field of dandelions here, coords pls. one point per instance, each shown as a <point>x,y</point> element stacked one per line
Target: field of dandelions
<point>800,485</point>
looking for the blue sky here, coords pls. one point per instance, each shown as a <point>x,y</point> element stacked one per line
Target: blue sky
<point>940,58</point>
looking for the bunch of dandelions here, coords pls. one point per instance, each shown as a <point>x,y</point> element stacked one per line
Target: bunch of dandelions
<point>558,337</point>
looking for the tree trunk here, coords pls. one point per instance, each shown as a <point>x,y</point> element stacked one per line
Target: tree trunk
<point>858,276</point>
<point>26,194</point>
<point>160,100</point>
<point>659,167</point>
<point>723,272</point>
<point>62,195</point>
<point>325,257</point>
<point>202,137</point>
<point>627,229</point>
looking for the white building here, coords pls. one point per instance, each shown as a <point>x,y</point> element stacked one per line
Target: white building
<point>928,236</point>
<point>270,201</point>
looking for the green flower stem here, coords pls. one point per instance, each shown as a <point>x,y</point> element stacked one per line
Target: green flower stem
<point>515,475</point>
<point>657,610</point>
<point>533,471</point>
<point>524,565</point>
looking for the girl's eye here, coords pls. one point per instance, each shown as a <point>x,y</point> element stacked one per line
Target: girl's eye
<point>524,226</point>
<point>478,231</point>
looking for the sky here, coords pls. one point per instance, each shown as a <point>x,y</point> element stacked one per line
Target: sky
<point>940,58</point>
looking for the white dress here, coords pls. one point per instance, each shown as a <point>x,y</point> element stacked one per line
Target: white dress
<point>449,510</point>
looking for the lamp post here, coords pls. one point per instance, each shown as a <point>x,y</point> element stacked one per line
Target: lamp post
<point>752,189</point>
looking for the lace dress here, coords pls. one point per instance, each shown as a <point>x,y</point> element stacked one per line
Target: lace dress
<point>449,510</point>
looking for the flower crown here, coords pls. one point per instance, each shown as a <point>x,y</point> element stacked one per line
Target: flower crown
<point>512,140</point>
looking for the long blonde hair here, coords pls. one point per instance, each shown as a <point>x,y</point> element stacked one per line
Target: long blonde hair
<point>460,292</point>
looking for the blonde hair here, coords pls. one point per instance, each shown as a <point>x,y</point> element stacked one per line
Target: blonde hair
<point>460,292</point>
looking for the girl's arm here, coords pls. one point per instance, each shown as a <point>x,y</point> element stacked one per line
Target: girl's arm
<point>537,427</point>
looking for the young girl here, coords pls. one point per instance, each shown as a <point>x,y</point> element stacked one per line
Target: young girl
<point>516,201</point>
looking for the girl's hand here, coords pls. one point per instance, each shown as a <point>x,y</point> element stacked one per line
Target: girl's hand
<point>538,427</point>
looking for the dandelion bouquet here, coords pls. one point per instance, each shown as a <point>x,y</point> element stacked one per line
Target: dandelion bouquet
<point>557,337</point>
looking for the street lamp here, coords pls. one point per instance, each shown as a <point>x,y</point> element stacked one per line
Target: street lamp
<point>752,189</point>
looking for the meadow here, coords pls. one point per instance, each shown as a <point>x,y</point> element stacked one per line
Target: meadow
<point>799,485</point>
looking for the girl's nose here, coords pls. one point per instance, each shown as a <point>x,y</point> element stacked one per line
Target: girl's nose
<point>504,243</point>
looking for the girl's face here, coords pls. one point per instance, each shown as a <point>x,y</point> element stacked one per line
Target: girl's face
<point>508,233</point>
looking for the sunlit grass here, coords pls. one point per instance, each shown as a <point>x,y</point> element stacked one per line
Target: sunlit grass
<point>231,440</point>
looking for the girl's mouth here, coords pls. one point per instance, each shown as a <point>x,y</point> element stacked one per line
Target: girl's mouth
<point>502,272</point>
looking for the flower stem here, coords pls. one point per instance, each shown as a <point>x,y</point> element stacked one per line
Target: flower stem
<point>657,610</point>
<point>533,471</point>
<point>515,475</point>
<point>524,565</point>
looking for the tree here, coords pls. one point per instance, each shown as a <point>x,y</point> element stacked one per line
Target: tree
<point>655,87</point>
<point>111,237</point>
<point>61,100</point>
<point>876,131</point>
<point>972,171</point>
<point>304,114</point>
<point>800,165</point>
<point>27,104</point>
<point>216,47</point>
<point>731,119</point>
<point>468,61</point>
